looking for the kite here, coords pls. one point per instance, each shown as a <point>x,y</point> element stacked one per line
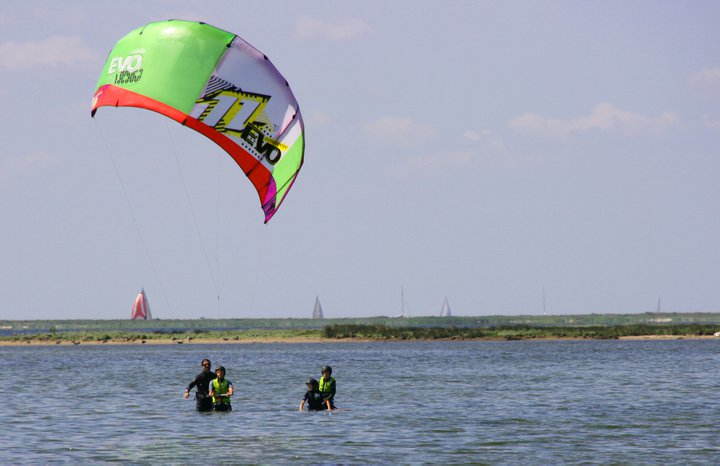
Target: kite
<point>215,83</point>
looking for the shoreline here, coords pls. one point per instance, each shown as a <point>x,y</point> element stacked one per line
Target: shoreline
<point>279,340</point>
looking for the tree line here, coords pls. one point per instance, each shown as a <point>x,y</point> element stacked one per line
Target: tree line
<point>383,332</point>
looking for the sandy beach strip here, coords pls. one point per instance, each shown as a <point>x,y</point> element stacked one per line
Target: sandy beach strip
<point>232,341</point>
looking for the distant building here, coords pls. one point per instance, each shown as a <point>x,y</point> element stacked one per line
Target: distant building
<point>445,311</point>
<point>318,312</point>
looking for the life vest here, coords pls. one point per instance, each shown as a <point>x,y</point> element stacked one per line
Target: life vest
<point>327,386</point>
<point>220,388</point>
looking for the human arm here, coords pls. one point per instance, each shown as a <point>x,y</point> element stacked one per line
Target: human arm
<point>189,387</point>
<point>230,391</point>
<point>302,403</point>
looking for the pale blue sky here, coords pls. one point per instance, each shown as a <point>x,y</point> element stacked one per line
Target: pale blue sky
<point>475,150</point>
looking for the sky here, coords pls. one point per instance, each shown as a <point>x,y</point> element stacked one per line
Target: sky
<point>516,157</point>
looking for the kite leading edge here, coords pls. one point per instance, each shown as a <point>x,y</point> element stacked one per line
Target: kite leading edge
<point>214,82</point>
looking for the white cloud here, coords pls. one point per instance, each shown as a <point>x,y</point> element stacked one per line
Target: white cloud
<point>349,28</point>
<point>55,50</point>
<point>708,75</point>
<point>12,165</point>
<point>604,117</point>
<point>432,164</point>
<point>712,122</point>
<point>485,141</point>
<point>318,117</point>
<point>400,131</point>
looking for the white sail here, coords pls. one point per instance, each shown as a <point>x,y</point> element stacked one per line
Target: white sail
<point>445,311</point>
<point>318,312</point>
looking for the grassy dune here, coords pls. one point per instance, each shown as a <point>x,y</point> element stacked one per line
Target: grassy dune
<point>516,332</point>
<point>156,337</point>
<point>353,331</point>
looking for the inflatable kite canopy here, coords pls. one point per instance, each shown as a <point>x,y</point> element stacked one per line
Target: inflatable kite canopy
<point>214,82</point>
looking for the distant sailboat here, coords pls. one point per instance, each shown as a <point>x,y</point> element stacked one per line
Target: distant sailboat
<point>445,311</point>
<point>141,308</point>
<point>318,312</point>
<point>402,305</point>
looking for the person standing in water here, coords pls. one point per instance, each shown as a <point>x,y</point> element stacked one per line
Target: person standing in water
<point>313,398</point>
<point>327,386</point>
<point>221,390</point>
<point>202,383</point>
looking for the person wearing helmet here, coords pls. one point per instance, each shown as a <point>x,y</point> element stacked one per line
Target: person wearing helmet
<point>221,390</point>
<point>313,398</point>
<point>327,385</point>
<point>203,402</point>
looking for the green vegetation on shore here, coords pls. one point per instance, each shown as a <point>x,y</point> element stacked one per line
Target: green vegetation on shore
<point>380,332</point>
<point>364,332</point>
<point>92,336</point>
<point>659,319</point>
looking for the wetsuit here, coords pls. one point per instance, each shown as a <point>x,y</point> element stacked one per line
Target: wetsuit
<point>315,400</point>
<point>202,381</point>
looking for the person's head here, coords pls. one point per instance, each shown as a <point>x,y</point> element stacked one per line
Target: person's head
<point>220,372</point>
<point>206,364</point>
<point>326,371</point>
<point>312,384</point>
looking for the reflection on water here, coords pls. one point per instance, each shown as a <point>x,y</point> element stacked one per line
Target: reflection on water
<point>411,402</point>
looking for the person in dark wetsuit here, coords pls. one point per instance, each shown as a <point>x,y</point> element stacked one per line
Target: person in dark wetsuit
<point>203,402</point>
<point>314,399</point>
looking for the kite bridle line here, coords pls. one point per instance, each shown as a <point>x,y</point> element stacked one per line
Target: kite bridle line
<point>213,278</point>
<point>219,278</point>
<point>110,154</point>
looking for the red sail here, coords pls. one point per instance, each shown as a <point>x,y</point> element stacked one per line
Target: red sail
<point>141,308</point>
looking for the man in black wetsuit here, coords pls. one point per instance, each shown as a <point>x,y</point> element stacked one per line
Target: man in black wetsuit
<point>203,402</point>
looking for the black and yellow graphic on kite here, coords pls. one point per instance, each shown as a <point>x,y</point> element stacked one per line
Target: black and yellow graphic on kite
<point>248,110</point>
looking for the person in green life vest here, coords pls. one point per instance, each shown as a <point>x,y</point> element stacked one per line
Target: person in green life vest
<point>221,390</point>
<point>327,385</point>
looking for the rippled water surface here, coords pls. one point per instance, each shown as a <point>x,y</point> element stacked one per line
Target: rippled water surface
<point>638,402</point>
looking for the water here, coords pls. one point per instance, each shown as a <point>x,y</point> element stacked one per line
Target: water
<point>636,402</point>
